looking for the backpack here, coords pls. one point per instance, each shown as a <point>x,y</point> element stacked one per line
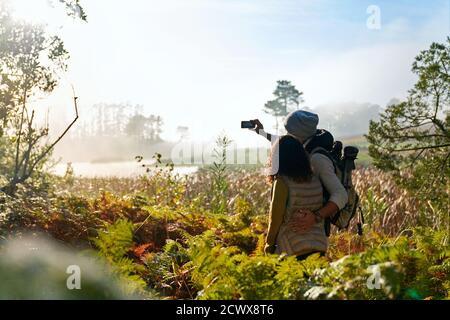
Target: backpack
<point>344,164</point>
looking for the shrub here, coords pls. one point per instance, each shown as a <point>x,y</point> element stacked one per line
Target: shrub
<point>113,244</point>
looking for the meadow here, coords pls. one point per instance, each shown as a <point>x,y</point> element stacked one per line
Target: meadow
<point>162,234</point>
<point>165,235</point>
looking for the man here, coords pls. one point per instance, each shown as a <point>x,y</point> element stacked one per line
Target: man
<point>303,126</point>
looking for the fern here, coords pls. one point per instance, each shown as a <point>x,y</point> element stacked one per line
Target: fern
<point>113,244</point>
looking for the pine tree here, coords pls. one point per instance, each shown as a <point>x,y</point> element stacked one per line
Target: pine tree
<point>287,99</point>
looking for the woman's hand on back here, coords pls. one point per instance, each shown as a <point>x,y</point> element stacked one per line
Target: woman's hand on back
<point>302,221</point>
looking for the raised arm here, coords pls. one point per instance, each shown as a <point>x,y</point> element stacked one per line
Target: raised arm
<point>259,129</point>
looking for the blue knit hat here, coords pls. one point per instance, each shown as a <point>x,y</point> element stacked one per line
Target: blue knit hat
<point>301,124</point>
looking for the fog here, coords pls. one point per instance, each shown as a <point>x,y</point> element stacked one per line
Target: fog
<point>203,66</point>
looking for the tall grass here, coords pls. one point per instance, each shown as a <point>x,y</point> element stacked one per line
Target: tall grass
<point>179,236</point>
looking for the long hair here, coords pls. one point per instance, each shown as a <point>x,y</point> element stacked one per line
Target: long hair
<point>289,158</point>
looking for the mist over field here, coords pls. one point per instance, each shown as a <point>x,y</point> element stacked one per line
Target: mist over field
<point>224,150</point>
<point>203,66</point>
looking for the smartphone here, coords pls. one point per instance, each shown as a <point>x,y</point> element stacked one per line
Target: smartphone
<point>247,125</point>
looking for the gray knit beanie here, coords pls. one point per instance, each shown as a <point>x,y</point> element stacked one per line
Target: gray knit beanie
<point>301,124</point>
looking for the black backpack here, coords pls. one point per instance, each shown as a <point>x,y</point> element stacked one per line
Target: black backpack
<point>344,163</point>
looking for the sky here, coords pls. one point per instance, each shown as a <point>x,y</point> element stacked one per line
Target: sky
<point>208,64</point>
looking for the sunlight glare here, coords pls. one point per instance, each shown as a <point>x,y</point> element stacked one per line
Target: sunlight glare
<point>34,11</point>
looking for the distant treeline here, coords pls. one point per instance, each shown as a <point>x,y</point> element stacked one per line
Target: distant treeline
<point>113,132</point>
<point>119,120</point>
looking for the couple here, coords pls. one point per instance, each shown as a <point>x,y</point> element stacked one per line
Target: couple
<point>300,177</point>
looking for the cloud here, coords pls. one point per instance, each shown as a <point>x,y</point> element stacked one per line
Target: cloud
<point>374,74</point>
<point>192,60</point>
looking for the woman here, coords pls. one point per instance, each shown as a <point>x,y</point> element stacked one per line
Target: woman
<point>296,191</point>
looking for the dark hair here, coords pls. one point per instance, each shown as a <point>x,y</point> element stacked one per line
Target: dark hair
<point>291,160</point>
<point>323,139</point>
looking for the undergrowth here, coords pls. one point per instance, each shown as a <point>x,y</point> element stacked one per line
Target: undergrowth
<point>170,238</point>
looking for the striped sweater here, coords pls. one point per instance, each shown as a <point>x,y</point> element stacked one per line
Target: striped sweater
<point>288,197</point>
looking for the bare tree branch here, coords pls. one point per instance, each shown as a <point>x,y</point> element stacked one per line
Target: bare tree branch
<point>416,157</point>
<point>49,148</point>
<point>19,136</point>
<point>415,126</point>
<point>420,148</point>
<point>25,164</point>
<point>414,137</point>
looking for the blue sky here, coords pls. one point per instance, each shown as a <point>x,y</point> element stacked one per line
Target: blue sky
<point>208,64</point>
